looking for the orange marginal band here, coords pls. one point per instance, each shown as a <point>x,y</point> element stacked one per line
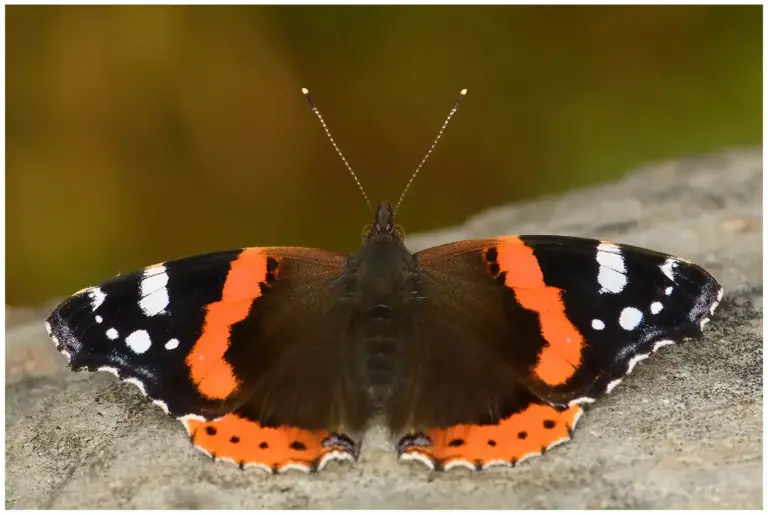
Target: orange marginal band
<point>524,434</point>
<point>560,358</point>
<point>246,442</point>
<point>209,370</point>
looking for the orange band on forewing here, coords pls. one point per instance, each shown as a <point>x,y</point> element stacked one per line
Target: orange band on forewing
<point>560,358</point>
<point>207,367</point>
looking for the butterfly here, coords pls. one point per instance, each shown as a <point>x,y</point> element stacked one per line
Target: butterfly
<point>477,353</point>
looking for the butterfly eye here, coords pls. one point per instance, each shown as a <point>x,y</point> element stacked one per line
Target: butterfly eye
<point>399,231</point>
<point>366,230</point>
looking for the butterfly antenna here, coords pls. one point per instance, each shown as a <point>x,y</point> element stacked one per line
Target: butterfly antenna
<point>462,94</point>
<point>315,110</point>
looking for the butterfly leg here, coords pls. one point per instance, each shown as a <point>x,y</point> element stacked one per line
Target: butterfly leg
<point>529,432</point>
<point>247,443</point>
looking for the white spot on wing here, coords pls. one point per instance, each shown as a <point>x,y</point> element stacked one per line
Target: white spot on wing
<point>630,318</point>
<point>656,307</point>
<point>668,268</point>
<point>154,294</point>
<point>172,344</point>
<point>112,333</point>
<point>139,341</point>
<point>720,295</point>
<point>662,343</point>
<point>703,323</point>
<point>598,325</point>
<point>612,268</point>
<point>668,290</point>
<point>154,303</point>
<point>48,328</point>
<point>99,319</point>
<point>97,297</point>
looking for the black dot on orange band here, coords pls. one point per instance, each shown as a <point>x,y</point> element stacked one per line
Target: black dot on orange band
<point>522,435</point>
<point>263,445</point>
<point>272,264</point>
<point>549,424</point>
<point>492,443</point>
<point>210,430</point>
<point>502,277</point>
<point>298,446</point>
<point>235,439</point>
<point>458,442</point>
<point>494,268</point>
<point>492,254</point>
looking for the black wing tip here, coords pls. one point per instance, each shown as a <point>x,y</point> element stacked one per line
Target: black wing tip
<point>63,322</point>
<point>61,330</point>
<point>60,333</point>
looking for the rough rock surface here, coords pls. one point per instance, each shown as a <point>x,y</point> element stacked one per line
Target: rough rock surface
<point>683,431</point>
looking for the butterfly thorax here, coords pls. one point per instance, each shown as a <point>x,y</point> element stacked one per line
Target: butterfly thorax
<point>383,287</point>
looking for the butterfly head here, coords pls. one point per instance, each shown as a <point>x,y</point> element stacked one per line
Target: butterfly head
<point>383,267</point>
<point>383,226</point>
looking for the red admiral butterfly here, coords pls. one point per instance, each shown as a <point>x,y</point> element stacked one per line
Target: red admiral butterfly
<point>478,353</point>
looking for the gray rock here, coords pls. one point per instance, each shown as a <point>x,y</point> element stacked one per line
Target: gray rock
<point>683,431</point>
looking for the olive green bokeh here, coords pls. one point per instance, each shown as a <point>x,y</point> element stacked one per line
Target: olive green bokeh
<point>137,134</point>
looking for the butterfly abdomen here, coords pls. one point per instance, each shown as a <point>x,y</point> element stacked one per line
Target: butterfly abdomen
<point>382,288</point>
<point>379,349</point>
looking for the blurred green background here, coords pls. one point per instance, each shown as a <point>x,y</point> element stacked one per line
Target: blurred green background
<point>138,134</point>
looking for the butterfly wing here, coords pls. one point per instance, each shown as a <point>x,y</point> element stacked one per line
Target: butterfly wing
<point>548,323</point>
<point>251,335</point>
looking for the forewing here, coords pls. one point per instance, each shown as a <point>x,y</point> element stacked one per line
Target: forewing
<point>570,316</point>
<point>199,335</point>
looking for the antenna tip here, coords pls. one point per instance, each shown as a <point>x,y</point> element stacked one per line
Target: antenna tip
<point>305,91</point>
<point>463,92</point>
